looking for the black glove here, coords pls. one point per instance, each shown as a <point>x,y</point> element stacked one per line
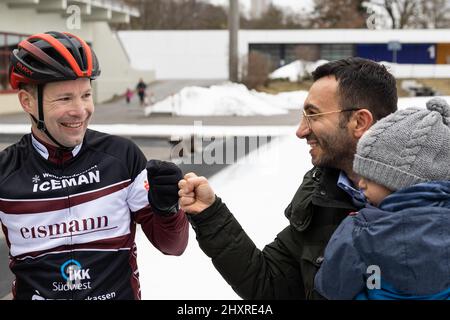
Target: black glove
<point>163,180</point>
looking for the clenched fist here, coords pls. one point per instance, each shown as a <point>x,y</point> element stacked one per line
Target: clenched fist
<point>163,178</point>
<point>195,193</point>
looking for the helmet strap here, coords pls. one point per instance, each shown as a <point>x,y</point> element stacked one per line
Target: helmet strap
<point>40,122</point>
<point>40,93</point>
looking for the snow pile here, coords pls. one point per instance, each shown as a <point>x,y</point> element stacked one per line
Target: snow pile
<point>292,71</point>
<point>228,99</point>
<point>297,70</point>
<point>232,99</point>
<point>284,100</point>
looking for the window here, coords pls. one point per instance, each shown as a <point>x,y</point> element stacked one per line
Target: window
<point>272,51</point>
<point>336,51</point>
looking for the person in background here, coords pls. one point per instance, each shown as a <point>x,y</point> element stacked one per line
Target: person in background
<point>128,95</point>
<point>141,88</point>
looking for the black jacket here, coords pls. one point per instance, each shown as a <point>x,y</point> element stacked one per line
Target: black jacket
<point>285,268</point>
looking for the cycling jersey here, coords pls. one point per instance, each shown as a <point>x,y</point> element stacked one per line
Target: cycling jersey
<point>70,217</point>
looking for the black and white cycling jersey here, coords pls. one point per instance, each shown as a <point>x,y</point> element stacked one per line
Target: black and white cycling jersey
<point>70,218</point>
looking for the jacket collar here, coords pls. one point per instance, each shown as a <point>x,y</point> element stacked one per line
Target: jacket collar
<point>357,195</point>
<point>326,191</point>
<point>318,189</point>
<point>427,194</point>
<point>52,153</point>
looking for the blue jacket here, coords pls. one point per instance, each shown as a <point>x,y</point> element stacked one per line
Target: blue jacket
<point>407,237</point>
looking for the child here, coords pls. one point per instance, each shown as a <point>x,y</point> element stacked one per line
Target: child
<point>399,247</point>
<point>128,95</point>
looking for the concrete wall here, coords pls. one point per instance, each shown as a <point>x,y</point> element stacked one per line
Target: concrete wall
<point>9,103</point>
<point>179,54</point>
<point>117,72</point>
<point>32,22</point>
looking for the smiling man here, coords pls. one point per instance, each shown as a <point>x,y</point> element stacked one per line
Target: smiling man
<point>347,97</point>
<point>68,109</point>
<point>70,197</point>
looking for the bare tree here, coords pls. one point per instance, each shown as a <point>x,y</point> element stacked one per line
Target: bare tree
<point>402,13</point>
<point>273,18</point>
<point>297,20</point>
<point>199,14</point>
<point>339,14</point>
<point>277,18</point>
<point>255,70</point>
<point>177,14</point>
<point>307,52</point>
<point>436,13</point>
<point>414,13</point>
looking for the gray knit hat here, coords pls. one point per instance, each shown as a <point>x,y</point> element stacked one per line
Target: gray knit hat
<point>407,147</point>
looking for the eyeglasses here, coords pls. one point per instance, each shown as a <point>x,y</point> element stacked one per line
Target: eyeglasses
<point>308,116</point>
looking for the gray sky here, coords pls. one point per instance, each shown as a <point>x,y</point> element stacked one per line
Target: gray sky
<point>296,5</point>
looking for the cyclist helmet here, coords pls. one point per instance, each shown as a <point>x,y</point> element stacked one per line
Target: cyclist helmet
<point>52,56</point>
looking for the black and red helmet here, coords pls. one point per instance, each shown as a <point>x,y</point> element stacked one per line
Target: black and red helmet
<point>52,56</point>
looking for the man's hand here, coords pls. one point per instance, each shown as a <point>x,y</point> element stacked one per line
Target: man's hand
<point>163,180</point>
<point>195,193</point>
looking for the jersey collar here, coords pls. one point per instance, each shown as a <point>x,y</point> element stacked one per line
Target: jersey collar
<point>52,153</point>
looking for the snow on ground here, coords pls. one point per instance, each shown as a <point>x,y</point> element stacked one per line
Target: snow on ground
<point>257,189</point>
<point>231,99</point>
<point>284,100</point>
<point>264,174</point>
<point>228,99</point>
<point>296,70</point>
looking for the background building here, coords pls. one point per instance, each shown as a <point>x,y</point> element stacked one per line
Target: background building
<point>86,18</point>
<point>203,54</point>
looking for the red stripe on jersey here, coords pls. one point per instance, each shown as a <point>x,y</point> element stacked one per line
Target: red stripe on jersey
<point>121,242</point>
<point>40,206</point>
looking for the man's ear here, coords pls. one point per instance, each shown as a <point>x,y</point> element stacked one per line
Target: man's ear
<point>27,101</point>
<point>360,122</point>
